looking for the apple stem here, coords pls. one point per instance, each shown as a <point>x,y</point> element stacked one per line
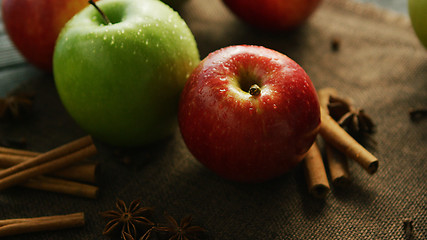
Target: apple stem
<point>254,90</point>
<point>106,20</point>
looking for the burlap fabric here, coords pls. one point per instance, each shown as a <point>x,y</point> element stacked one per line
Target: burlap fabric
<point>380,64</point>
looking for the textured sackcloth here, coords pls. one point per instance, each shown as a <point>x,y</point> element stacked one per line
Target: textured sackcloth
<point>380,65</point>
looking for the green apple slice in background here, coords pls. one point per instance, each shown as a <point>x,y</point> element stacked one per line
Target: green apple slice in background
<point>121,82</point>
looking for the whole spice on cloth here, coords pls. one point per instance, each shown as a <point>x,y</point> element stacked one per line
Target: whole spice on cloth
<point>126,219</point>
<point>15,105</point>
<point>131,223</point>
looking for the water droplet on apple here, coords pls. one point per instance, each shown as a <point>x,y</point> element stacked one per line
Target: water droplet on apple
<point>223,78</point>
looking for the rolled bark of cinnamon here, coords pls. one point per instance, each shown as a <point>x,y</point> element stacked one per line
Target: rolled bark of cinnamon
<point>335,135</point>
<point>314,169</point>
<point>337,161</point>
<point>55,153</point>
<point>8,160</point>
<point>10,227</point>
<point>18,152</point>
<point>85,172</point>
<point>47,167</point>
<point>57,185</point>
<point>62,186</point>
<point>338,166</point>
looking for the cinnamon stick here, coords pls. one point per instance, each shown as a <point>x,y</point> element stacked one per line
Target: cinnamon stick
<point>18,152</point>
<point>62,186</point>
<point>85,172</point>
<point>315,173</point>
<point>8,160</point>
<point>335,135</point>
<point>10,227</point>
<point>337,161</point>
<point>47,167</point>
<point>51,184</point>
<point>48,156</point>
<point>338,166</point>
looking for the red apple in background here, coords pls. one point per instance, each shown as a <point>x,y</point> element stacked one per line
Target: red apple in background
<point>34,25</point>
<point>273,14</point>
<point>249,113</point>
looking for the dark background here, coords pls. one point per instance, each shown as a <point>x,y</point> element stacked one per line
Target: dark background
<point>380,65</point>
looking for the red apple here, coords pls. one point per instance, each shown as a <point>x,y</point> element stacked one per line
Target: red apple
<point>273,14</point>
<point>249,113</point>
<point>34,25</point>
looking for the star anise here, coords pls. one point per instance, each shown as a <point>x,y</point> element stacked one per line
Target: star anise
<point>181,231</point>
<point>127,236</point>
<point>126,220</point>
<point>15,104</point>
<point>354,120</point>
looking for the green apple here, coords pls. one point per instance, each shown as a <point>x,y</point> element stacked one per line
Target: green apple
<point>121,81</point>
<point>418,14</point>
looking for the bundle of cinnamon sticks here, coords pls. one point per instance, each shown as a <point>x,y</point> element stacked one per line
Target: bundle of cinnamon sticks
<point>339,145</point>
<point>66,173</point>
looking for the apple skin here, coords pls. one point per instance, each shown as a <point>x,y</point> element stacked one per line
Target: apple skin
<point>418,14</point>
<point>34,25</point>
<point>121,82</point>
<point>273,15</point>
<point>240,136</point>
